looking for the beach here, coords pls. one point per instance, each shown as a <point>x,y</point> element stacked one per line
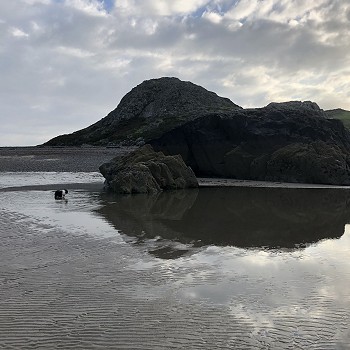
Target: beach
<point>172,271</point>
<point>56,159</point>
<point>88,159</point>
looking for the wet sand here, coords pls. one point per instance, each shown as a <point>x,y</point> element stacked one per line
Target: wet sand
<point>70,159</point>
<point>69,279</point>
<point>66,291</point>
<point>221,182</point>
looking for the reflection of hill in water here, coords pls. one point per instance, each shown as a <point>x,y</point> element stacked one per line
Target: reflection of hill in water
<point>242,217</point>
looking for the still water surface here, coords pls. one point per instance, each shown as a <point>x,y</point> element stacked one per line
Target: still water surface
<point>226,268</point>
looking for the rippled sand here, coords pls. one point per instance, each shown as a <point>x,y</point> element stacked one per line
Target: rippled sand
<point>69,279</point>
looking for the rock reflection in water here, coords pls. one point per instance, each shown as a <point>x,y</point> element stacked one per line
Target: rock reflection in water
<point>241,217</point>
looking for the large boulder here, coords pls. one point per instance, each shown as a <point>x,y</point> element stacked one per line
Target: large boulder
<point>291,142</point>
<point>147,171</point>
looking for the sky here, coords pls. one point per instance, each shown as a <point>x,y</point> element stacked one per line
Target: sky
<point>65,64</point>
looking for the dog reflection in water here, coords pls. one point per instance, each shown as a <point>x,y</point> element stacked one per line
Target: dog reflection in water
<point>61,194</point>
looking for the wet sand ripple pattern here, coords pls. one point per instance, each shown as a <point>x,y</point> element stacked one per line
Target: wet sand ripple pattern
<point>60,290</point>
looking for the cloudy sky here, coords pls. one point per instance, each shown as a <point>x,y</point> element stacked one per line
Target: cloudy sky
<point>64,64</point>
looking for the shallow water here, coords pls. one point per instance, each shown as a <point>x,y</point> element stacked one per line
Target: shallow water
<point>17,179</point>
<point>213,268</point>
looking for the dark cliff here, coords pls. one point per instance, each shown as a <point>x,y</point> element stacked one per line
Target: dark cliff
<point>291,142</point>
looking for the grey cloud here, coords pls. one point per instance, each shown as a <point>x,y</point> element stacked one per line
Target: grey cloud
<point>261,41</point>
<point>269,43</point>
<point>73,68</point>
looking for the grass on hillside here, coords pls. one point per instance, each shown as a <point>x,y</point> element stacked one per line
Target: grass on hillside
<point>341,114</point>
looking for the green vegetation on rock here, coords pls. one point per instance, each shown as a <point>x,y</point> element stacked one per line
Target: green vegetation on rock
<point>340,114</point>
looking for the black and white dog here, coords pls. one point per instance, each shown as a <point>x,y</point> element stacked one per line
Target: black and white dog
<point>60,194</point>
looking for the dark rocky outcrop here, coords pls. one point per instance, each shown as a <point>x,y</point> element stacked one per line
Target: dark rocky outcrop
<point>292,142</point>
<point>147,111</point>
<point>146,171</point>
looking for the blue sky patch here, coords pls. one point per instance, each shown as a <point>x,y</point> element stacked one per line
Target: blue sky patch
<point>108,4</point>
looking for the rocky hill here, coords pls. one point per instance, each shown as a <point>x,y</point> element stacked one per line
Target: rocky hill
<point>147,111</point>
<point>290,142</point>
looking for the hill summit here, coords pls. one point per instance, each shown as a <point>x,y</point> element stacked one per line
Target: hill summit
<point>293,141</point>
<point>151,108</point>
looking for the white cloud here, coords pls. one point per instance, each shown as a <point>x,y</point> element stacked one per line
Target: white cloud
<point>90,7</point>
<point>16,32</point>
<point>212,16</point>
<point>159,7</point>
<point>34,2</point>
<point>73,51</point>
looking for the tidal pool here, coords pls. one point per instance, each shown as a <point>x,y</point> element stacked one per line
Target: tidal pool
<point>214,268</point>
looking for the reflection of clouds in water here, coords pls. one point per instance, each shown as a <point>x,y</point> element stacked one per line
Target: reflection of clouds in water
<point>294,272</point>
<point>261,259</point>
<point>332,247</point>
<point>301,295</point>
<point>278,297</point>
<point>245,314</point>
<point>16,179</point>
<point>74,215</point>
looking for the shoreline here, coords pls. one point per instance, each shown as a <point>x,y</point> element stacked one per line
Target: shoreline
<point>226,182</point>
<point>24,159</point>
<point>56,159</point>
<point>203,183</point>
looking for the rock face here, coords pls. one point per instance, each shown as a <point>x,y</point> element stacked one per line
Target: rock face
<point>147,171</point>
<point>147,111</point>
<point>291,142</point>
